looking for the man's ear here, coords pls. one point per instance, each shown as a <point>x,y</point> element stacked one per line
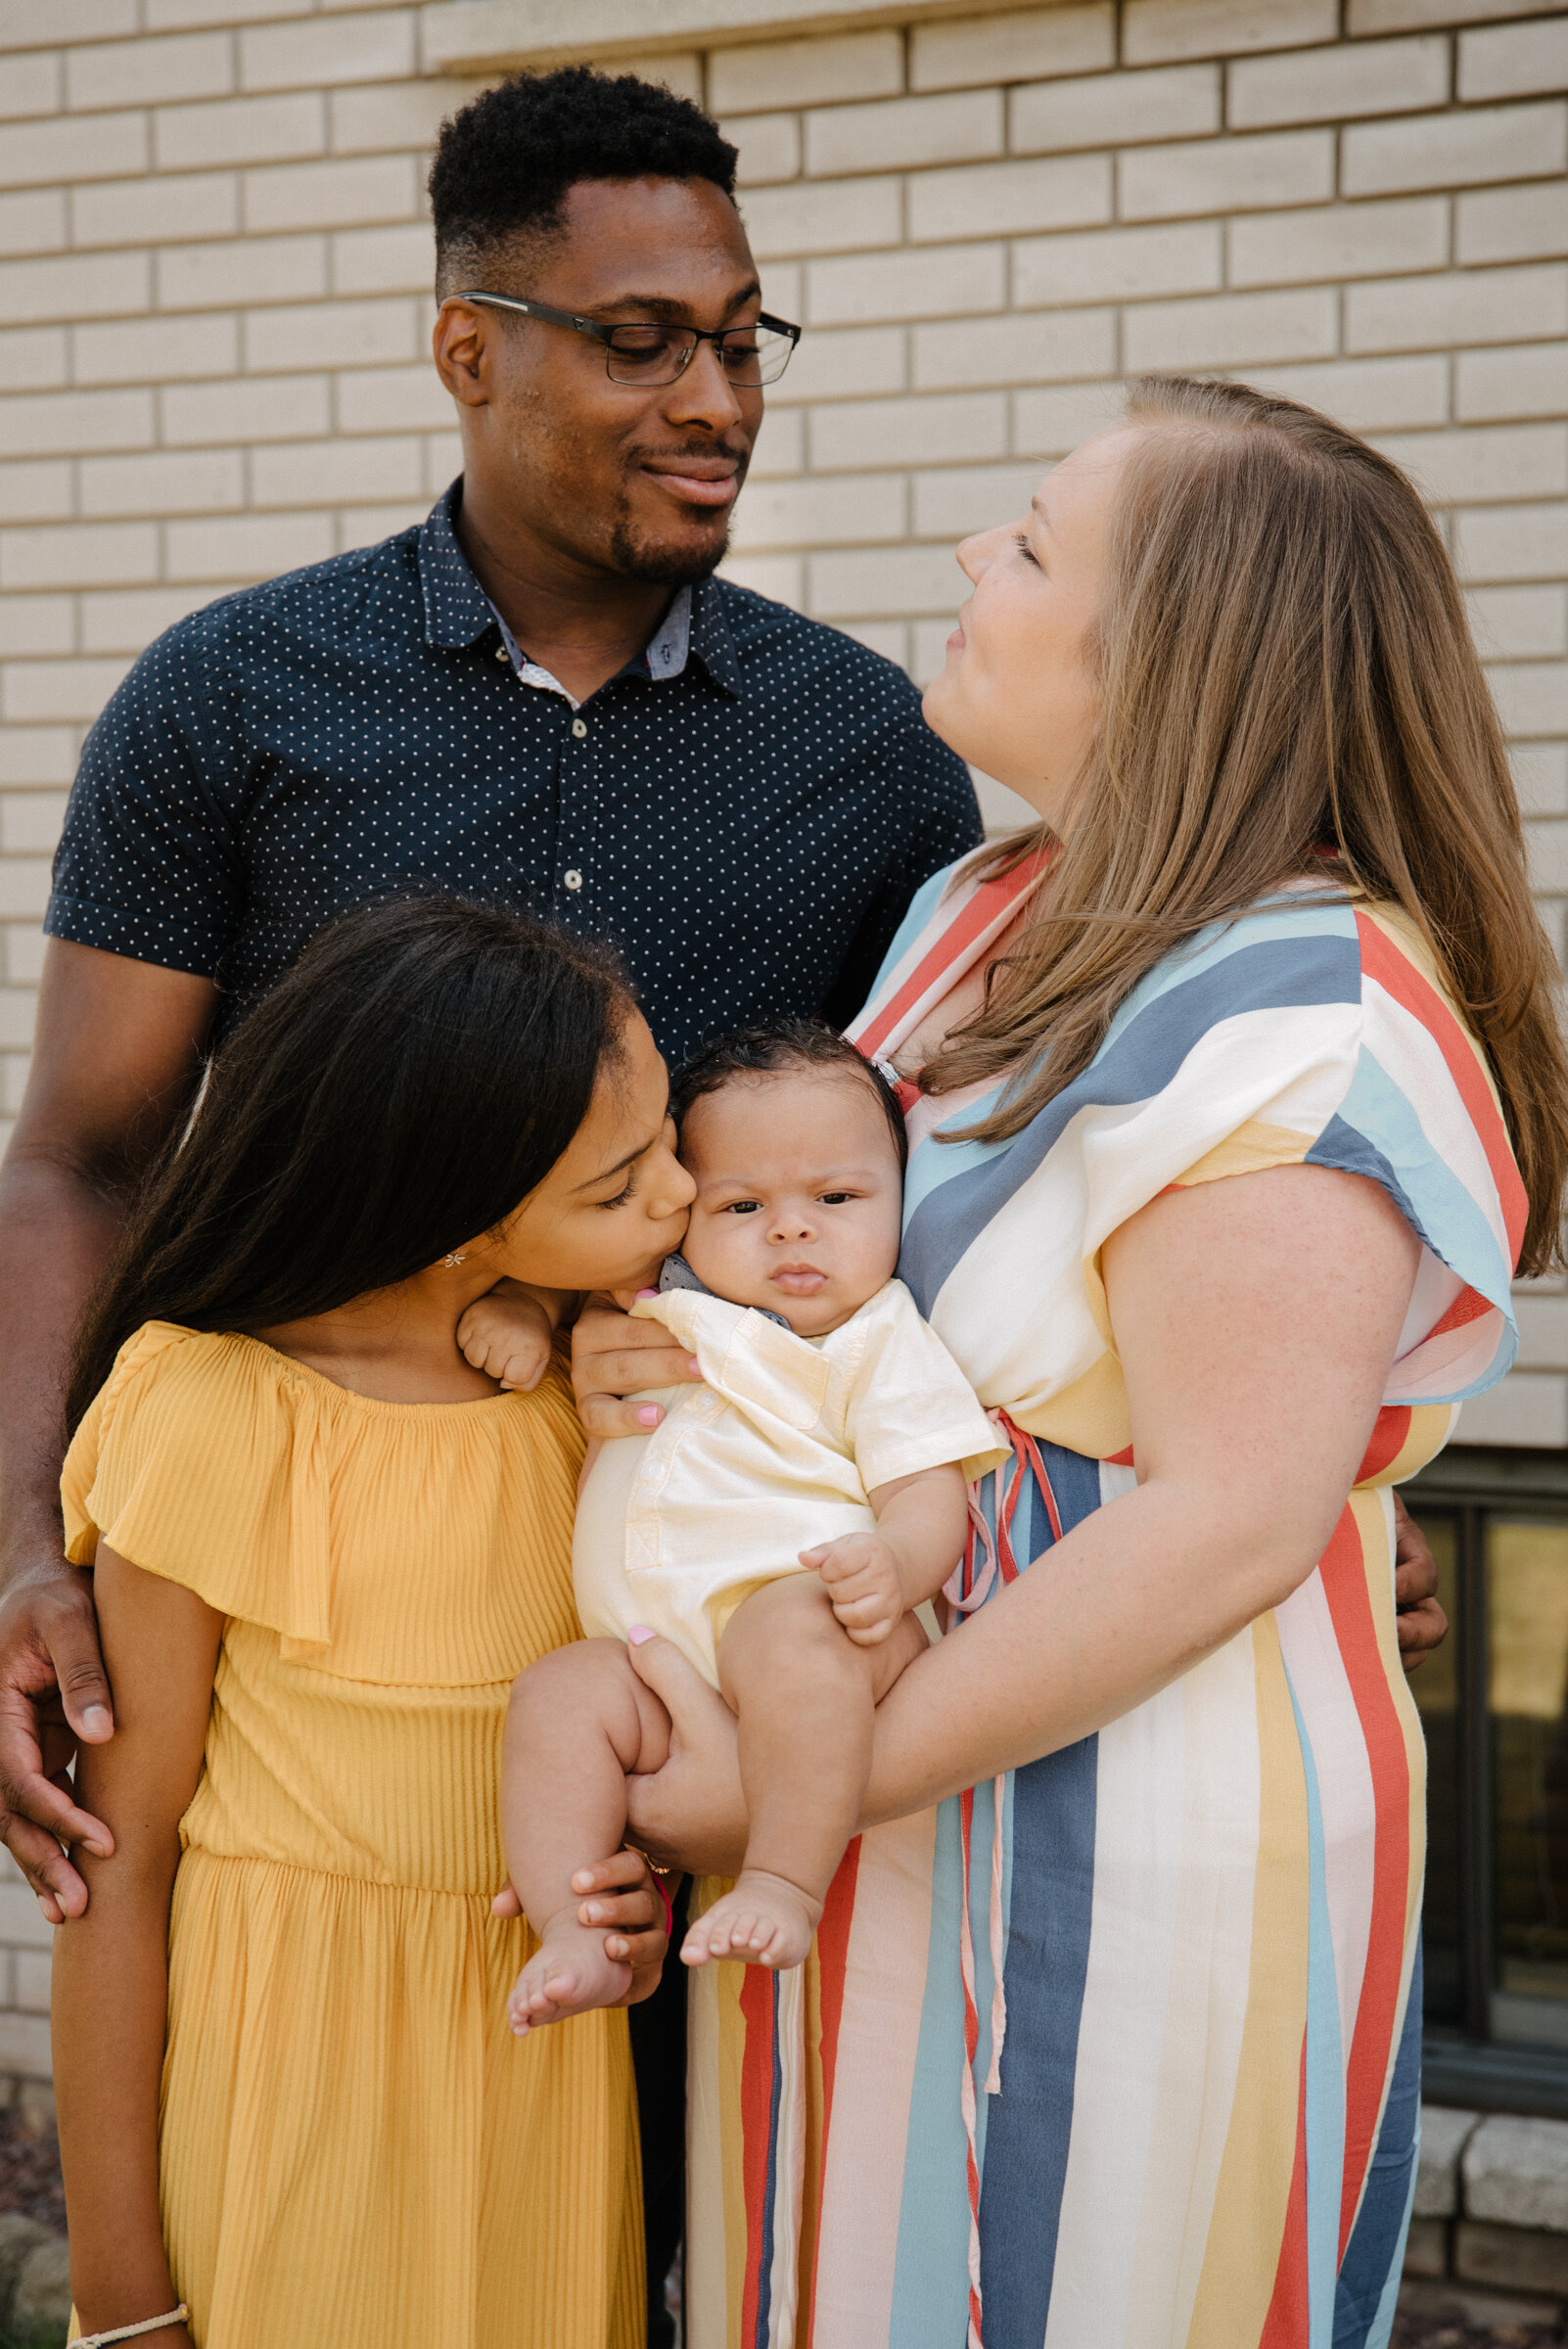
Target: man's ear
<point>460,347</point>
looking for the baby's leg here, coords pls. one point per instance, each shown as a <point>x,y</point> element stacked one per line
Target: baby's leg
<point>578,1720</point>
<point>805,1694</point>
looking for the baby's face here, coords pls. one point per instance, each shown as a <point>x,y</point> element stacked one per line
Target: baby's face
<point>798,1196</point>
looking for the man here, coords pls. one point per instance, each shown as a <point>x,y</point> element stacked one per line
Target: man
<point>541,696</point>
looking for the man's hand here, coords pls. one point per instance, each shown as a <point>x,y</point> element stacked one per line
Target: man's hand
<point>614,1357</point>
<point>116,1057</point>
<point>1420,1623</point>
<point>862,1579</point>
<point>53,1695</point>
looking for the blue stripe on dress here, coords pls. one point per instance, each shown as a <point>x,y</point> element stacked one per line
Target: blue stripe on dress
<point>763,2336</point>
<point>1374,2256</point>
<point>1286,973</point>
<point>1028,2125</point>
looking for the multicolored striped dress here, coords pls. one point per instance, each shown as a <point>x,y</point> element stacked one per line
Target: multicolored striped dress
<point>1121,2052</point>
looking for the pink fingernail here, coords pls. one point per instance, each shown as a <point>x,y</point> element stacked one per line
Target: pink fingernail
<point>649,1415</point>
<point>692,1363</point>
<point>641,1293</point>
<point>639,1635</point>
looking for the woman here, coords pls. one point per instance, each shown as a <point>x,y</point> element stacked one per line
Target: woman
<point>1235,1094</point>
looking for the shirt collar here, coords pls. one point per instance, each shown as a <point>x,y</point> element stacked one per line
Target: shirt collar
<point>458,612</point>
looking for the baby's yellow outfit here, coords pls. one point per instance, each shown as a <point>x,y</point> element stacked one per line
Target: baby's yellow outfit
<point>353,2148</point>
<point>776,1452</point>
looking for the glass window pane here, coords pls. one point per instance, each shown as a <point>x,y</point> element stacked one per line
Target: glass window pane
<point>1435,1687</point>
<point>1527,1613</point>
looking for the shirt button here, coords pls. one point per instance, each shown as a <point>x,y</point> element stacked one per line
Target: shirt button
<point>503,656</point>
<point>573,880</point>
<point>579,728</point>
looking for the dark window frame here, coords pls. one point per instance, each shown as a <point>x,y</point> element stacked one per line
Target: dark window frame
<point>1463,2065</point>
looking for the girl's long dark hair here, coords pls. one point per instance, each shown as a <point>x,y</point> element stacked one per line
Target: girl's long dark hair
<point>405,1086</point>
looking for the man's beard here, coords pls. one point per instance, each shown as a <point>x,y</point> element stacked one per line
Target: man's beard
<point>642,557</point>
<point>662,566</point>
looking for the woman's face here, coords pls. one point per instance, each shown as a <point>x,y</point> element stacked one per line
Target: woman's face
<point>615,1203</point>
<point>1018,696</point>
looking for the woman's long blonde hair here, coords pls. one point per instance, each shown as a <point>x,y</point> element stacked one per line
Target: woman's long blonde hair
<point>1287,676</point>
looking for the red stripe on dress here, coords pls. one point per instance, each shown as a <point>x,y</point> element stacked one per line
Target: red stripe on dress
<point>1343,1568</point>
<point>1389,1439</point>
<point>1469,1306</point>
<point>756,2113</point>
<point>1383,962</point>
<point>1288,2323</point>
<point>991,900</point>
<point>833,1966</point>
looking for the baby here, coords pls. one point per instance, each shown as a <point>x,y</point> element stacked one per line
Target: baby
<point>779,1526</point>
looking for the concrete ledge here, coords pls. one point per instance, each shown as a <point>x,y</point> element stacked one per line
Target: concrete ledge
<point>1516,2175</point>
<point>489,36</point>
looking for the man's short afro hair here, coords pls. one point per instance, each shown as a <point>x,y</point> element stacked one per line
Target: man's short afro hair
<point>505,162</point>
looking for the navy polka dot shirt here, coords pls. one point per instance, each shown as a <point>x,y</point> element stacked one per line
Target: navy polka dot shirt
<point>747,816</point>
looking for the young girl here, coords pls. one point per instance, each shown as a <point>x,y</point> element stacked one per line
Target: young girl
<point>290,2109</point>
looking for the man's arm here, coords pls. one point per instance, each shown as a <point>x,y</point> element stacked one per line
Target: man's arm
<point>116,1060</point>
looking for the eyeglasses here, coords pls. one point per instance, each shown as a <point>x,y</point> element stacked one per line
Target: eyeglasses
<point>650,354</point>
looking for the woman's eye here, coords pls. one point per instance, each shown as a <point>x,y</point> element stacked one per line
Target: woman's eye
<point>622,1197</point>
<point>1020,542</point>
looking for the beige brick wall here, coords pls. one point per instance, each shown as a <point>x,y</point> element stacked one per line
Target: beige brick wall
<point>215,283</point>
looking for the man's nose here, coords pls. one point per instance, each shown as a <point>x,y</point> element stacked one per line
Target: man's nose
<point>702,393</point>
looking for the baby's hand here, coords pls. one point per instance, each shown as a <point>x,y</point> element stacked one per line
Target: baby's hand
<point>861,1574</point>
<point>509,1335</point>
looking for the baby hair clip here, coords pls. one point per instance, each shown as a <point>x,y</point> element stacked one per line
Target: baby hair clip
<point>456,1258</point>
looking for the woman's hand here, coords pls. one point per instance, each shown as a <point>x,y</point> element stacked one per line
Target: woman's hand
<point>691,1815</point>
<point>614,1357</point>
<point>624,1898</point>
<point>1421,1624</point>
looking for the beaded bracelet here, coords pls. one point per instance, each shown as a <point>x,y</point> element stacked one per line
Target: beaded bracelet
<point>128,2332</point>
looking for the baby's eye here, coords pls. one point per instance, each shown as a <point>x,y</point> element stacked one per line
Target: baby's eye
<point>836,1198</point>
<point>742,1207</point>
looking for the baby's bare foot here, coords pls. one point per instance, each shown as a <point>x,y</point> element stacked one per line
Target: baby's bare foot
<point>567,1974</point>
<point>763,1920</point>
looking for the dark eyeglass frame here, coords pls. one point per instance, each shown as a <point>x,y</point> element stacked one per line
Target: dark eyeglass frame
<point>598,332</point>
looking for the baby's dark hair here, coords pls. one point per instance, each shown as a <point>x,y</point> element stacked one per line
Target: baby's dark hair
<point>401,1089</point>
<point>769,1047</point>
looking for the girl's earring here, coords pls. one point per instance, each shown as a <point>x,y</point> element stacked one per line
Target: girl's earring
<point>457,1256</point>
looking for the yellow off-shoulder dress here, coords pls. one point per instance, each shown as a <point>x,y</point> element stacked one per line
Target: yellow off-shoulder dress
<point>354,2149</point>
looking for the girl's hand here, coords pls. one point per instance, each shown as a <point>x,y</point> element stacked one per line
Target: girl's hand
<point>624,1898</point>
<point>614,1357</point>
<point>640,1921</point>
<point>690,1814</point>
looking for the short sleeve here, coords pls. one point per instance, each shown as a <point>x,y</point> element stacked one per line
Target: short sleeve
<point>195,1465</point>
<point>909,1406</point>
<point>148,863</point>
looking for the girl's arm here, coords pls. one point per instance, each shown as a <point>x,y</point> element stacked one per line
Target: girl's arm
<point>1255,1320</point>
<point>110,1967</point>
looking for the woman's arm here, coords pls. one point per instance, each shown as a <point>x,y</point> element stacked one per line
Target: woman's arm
<point>110,1968</point>
<point>1255,1320</point>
